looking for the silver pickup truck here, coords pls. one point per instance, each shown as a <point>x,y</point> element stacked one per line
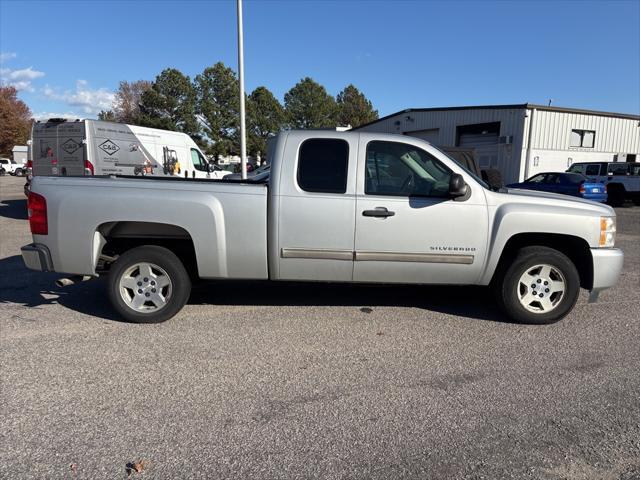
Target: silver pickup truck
<point>337,207</point>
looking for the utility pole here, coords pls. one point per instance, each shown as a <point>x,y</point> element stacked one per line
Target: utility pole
<point>243,129</point>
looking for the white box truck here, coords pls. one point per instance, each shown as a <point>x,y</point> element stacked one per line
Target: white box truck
<point>62,147</point>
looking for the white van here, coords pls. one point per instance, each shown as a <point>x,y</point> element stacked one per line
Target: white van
<point>93,147</point>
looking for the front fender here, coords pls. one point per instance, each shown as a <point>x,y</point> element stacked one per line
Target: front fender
<point>520,218</point>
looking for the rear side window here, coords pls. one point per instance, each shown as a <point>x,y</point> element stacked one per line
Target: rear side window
<point>323,164</point>
<point>618,168</point>
<point>593,170</point>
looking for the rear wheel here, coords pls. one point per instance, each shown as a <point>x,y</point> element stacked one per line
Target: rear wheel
<point>541,286</point>
<point>148,284</point>
<point>615,195</point>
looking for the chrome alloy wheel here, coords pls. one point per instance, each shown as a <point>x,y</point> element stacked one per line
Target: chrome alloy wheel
<point>145,287</point>
<point>541,288</point>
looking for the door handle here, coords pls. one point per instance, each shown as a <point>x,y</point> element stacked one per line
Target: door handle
<point>380,212</point>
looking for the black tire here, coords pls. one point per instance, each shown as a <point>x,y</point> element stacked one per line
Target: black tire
<point>18,172</point>
<point>507,286</point>
<point>167,261</point>
<point>2,172</point>
<point>493,177</point>
<point>615,195</point>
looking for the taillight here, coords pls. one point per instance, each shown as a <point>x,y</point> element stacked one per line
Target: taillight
<point>581,189</point>
<point>29,166</point>
<point>605,189</point>
<point>37,209</point>
<point>88,168</point>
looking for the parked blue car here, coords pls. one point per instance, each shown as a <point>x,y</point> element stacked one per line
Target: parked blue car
<point>574,184</point>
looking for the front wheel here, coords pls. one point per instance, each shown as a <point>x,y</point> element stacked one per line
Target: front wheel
<point>541,286</point>
<point>148,284</point>
<point>18,172</point>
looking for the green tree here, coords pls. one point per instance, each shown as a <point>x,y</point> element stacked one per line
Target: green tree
<point>308,105</point>
<point>265,118</point>
<point>354,108</point>
<point>170,104</point>
<point>218,106</point>
<point>15,120</point>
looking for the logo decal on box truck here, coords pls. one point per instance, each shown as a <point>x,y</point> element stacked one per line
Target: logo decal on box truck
<point>70,146</point>
<point>109,147</point>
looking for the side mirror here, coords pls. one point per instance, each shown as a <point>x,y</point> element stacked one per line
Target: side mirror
<point>211,167</point>
<point>457,187</point>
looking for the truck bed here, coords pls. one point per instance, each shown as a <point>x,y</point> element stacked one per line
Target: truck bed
<point>226,220</point>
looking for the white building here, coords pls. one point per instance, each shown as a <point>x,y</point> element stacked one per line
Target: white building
<point>521,140</point>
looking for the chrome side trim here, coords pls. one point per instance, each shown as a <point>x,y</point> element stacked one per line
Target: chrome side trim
<point>414,257</point>
<point>316,253</point>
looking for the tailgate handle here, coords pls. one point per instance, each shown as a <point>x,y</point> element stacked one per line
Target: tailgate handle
<point>378,212</point>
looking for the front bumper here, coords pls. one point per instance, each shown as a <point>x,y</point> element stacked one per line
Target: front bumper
<point>607,267</point>
<point>37,257</point>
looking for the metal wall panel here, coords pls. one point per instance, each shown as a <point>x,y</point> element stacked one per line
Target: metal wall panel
<point>552,131</point>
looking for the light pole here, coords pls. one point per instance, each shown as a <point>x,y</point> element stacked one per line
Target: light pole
<point>243,132</point>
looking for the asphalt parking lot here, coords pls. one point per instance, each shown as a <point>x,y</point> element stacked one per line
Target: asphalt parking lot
<point>313,381</point>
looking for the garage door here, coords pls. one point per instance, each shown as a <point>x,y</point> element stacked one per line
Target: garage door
<point>432,135</point>
<point>484,139</point>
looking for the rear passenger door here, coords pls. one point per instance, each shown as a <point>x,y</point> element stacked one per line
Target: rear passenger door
<point>316,198</point>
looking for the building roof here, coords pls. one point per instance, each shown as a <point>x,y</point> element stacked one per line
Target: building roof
<point>20,148</point>
<point>518,106</point>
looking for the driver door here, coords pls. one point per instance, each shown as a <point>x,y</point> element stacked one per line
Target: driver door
<point>408,229</point>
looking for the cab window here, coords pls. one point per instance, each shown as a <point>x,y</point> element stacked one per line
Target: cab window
<point>199,162</point>
<point>322,165</point>
<point>576,168</point>
<point>593,170</point>
<point>400,169</point>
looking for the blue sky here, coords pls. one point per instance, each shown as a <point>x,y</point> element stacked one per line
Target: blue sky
<point>67,57</point>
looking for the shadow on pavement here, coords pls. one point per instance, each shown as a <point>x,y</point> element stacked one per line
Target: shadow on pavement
<point>16,209</point>
<point>31,289</point>
<point>34,289</point>
<point>470,302</point>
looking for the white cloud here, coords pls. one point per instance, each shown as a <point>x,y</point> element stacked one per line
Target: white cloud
<point>4,56</point>
<point>48,115</point>
<point>89,100</point>
<point>20,79</point>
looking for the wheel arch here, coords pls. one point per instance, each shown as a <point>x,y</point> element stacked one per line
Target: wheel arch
<point>575,248</point>
<point>116,237</point>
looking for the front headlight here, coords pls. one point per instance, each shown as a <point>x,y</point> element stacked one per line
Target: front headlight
<point>607,231</point>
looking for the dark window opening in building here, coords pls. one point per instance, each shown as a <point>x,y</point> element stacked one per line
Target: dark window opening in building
<point>583,138</point>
